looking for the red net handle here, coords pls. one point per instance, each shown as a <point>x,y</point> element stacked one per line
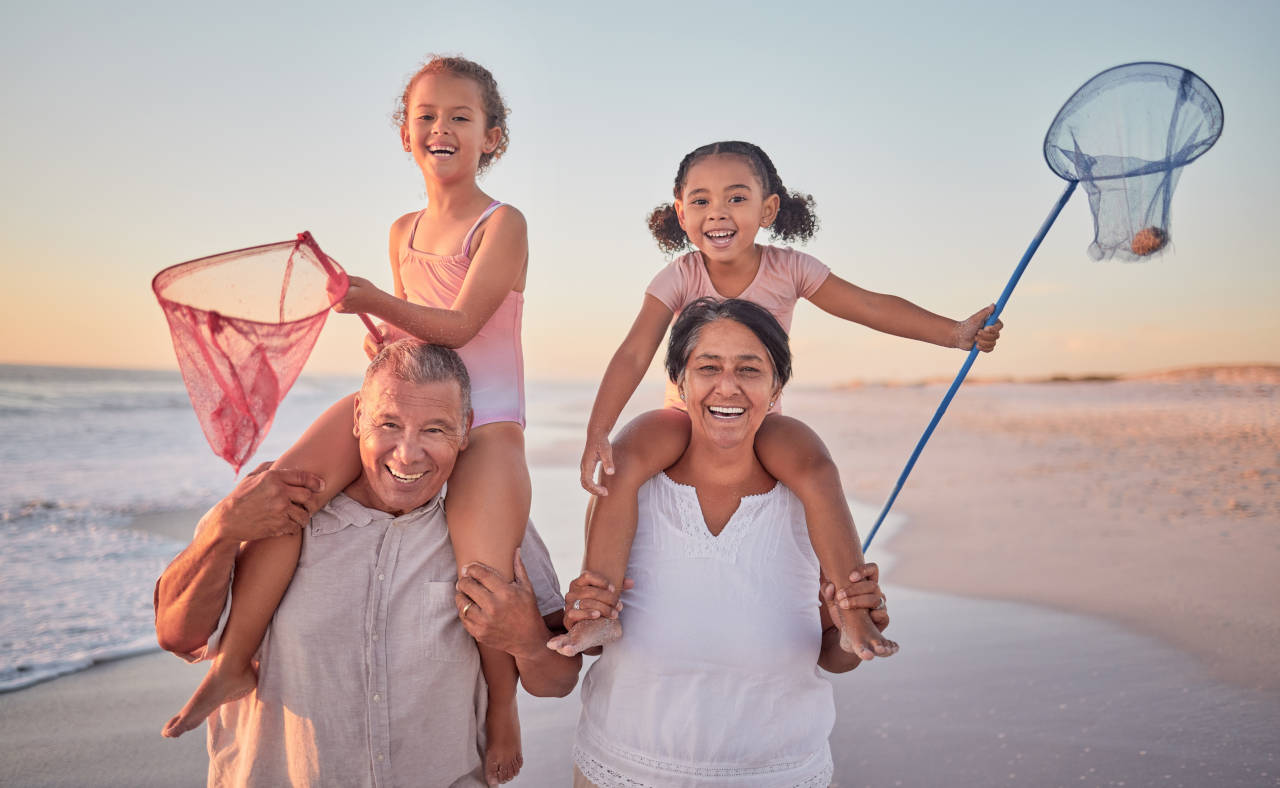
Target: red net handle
<point>339,277</point>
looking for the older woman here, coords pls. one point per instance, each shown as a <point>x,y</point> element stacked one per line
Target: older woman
<point>714,681</point>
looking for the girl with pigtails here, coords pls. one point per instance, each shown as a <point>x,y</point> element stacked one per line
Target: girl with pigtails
<point>725,193</point>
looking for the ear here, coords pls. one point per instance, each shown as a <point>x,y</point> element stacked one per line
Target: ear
<point>404,137</point>
<point>358,412</point>
<point>679,206</point>
<point>491,139</point>
<point>769,212</point>
<point>466,431</point>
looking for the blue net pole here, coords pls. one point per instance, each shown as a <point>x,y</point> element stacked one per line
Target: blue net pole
<point>973,354</point>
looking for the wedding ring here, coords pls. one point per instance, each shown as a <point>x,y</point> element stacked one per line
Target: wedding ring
<point>881,605</point>
<point>467,607</point>
<point>577,604</point>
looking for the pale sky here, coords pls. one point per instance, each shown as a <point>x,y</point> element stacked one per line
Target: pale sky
<point>139,135</point>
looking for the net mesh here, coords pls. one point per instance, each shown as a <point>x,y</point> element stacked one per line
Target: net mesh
<point>1125,136</point>
<point>243,324</point>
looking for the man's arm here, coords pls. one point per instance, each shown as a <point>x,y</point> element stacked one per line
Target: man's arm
<point>505,616</point>
<point>191,593</point>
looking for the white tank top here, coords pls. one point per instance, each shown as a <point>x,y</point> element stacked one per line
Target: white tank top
<point>715,680</point>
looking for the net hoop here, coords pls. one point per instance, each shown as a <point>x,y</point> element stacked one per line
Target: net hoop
<point>1190,86</point>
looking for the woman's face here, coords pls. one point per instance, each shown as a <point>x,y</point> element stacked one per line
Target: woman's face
<point>728,385</point>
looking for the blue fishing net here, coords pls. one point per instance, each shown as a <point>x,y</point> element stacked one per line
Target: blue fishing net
<point>1125,136</point>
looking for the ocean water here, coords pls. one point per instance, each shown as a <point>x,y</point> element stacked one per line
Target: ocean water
<point>83,452</point>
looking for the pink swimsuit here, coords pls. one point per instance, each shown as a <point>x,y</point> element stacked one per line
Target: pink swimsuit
<point>493,357</point>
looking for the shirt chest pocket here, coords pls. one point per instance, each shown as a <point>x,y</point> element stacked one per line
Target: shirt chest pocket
<point>443,637</point>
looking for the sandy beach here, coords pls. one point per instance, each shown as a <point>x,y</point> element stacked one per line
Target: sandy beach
<point>1084,588</point>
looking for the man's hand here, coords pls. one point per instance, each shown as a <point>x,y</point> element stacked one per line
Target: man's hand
<point>267,502</point>
<point>499,614</point>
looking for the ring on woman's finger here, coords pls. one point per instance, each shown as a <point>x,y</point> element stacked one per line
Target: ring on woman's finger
<point>881,605</point>
<point>577,604</point>
<point>465,608</point>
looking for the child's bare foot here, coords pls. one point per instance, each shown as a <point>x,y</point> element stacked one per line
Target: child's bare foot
<point>502,757</point>
<point>858,635</point>
<point>586,634</point>
<point>222,684</point>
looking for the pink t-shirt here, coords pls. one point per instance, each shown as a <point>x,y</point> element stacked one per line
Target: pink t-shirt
<point>785,276</point>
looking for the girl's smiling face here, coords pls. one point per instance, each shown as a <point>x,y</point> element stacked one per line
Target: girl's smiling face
<point>444,127</point>
<point>728,385</point>
<point>723,205</point>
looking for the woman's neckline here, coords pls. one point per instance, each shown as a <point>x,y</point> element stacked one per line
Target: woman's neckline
<point>689,489</point>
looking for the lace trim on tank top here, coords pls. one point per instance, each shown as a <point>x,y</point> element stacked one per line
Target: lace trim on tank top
<point>604,777</point>
<point>699,542</point>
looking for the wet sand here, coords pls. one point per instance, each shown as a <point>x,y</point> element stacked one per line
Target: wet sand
<point>1139,517</point>
<point>1154,503</point>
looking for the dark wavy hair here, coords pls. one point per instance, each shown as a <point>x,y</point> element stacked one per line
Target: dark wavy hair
<point>796,220</point>
<point>704,311</point>
<point>495,109</point>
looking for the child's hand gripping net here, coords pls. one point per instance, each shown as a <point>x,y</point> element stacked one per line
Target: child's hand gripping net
<point>243,324</point>
<point>1126,134</point>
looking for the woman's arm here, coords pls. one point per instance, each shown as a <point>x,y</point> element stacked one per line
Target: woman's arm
<point>864,593</point>
<point>493,273</point>
<point>625,371</point>
<point>898,316</point>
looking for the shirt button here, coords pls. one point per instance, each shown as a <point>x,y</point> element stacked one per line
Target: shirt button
<point>375,636</point>
<point>379,756</point>
<point>377,698</point>
<point>380,577</point>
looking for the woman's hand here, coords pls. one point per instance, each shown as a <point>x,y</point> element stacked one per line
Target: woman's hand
<point>362,296</point>
<point>598,450</point>
<point>974,331</point>
<point>863,592</point>
<point>591,595</point>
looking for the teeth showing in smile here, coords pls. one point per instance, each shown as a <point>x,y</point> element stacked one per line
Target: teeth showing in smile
<point>412,477</point>
<point>720,410</point>
<point>442,150</point>
<point>720,235</point>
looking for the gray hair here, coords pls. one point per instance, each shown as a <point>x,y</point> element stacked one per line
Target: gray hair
<point>417,362</point>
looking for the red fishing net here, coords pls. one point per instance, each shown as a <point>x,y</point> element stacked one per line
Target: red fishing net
<point>243,324</point>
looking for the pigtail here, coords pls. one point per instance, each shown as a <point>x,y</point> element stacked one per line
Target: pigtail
<point>796,220</point>
<point>666,229</point>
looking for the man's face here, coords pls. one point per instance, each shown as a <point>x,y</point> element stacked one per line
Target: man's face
<point>410,435</point>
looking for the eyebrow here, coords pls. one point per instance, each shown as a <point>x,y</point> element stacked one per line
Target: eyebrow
<point>739,357</point>
<point>727,188</point>
<point>451,109</point>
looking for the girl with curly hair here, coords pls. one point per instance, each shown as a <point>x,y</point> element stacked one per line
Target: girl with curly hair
<point>725,193</point>
<point>458,268</point>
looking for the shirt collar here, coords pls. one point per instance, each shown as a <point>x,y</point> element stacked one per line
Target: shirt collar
<point>344,511</point>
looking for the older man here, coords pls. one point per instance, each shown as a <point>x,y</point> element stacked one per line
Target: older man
<point>367,675</point>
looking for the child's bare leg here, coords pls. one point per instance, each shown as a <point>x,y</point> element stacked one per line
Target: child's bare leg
<point>651,442</point>
<point>265,567</point>
<point>797,457</point>
<point>487,509</point>
<point>263,571</point>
